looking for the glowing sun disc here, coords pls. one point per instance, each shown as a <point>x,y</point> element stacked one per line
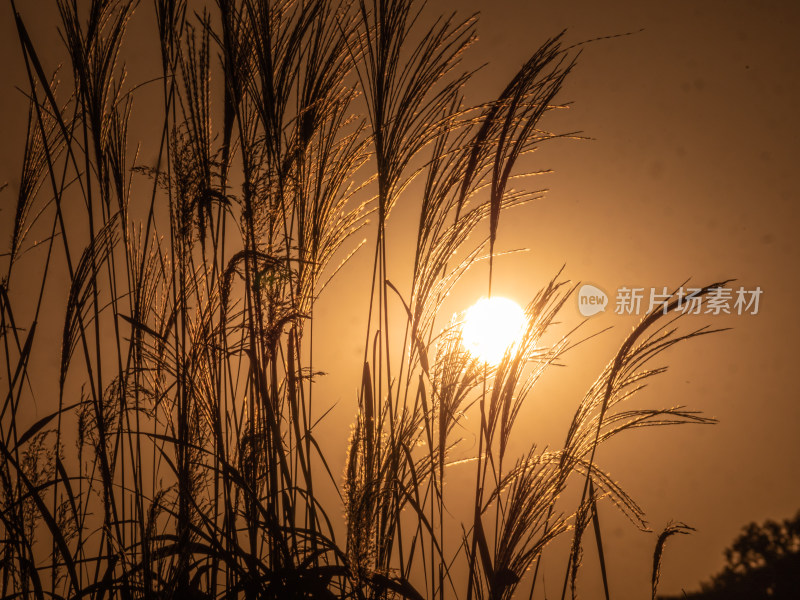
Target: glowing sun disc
<point>491,326</point>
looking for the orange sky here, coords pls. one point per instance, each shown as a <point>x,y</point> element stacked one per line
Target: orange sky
<point>689,174</point>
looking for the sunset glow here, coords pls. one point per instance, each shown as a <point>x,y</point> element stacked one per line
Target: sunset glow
<point>491,326</point>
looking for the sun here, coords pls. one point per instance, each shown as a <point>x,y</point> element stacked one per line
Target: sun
<point>491,326</point>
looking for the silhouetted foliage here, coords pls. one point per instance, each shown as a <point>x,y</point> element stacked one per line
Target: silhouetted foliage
<point>763,562</point>
<point>177,452</point>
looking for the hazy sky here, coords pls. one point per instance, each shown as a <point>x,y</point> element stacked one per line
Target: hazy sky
<point>689,174</point>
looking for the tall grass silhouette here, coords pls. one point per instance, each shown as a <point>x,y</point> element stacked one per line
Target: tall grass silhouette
<point>175,451</point>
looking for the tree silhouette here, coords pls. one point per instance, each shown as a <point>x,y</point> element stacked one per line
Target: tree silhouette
<point>762,562</point>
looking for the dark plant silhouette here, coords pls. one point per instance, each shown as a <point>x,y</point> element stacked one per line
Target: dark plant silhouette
<point>762,563</point>
<point>175,452</point>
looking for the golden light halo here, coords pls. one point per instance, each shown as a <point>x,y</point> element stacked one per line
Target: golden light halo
<point>491,326</point>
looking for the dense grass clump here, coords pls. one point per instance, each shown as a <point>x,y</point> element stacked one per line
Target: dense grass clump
<point>174,451</point>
